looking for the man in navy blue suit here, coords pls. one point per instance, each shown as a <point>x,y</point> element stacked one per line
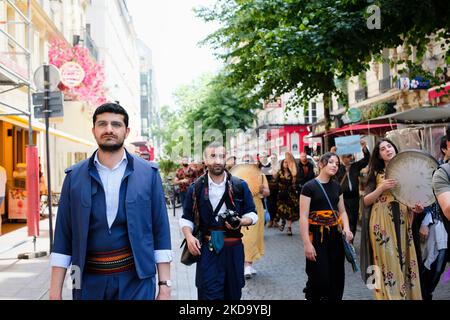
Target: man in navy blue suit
<point>112,224</point>
<point>220,269</point>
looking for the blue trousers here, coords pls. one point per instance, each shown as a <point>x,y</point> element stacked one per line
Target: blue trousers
<point>119,286</point>
<point>221,276</point>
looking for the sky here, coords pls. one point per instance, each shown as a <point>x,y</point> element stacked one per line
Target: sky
<point>172,31</point>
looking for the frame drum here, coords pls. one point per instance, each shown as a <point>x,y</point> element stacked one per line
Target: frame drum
<point>413,170</point>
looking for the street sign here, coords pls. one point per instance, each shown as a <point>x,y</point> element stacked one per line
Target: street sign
<point>55,97</point>
<point>56,111</point>
<point>54,78</point>
<point>55,105</point>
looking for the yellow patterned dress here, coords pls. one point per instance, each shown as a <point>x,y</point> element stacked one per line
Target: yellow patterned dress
<point>398,281</point>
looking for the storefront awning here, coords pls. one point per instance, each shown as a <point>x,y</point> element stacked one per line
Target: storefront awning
<point>361,129</point>
<point>434,93</point>
<point>40,127</point>
<point>423,115</point>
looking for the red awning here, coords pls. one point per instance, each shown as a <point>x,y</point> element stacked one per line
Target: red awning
<point>433,93</point>
<point>377,129</point>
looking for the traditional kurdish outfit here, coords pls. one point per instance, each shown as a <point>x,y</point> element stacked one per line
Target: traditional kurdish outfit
<point>113,238</point>
<point>393,248</point>
<point>326,275</point>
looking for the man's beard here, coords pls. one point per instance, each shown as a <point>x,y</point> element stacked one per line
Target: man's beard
<point>217,171</point>
<point>111,147</point>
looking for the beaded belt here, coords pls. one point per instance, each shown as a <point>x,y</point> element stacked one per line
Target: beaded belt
<point>109,262</point>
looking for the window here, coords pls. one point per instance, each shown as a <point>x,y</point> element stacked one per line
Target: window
<point>313,112</point>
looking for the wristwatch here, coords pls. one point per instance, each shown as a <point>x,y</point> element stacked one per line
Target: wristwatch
<point>165,283</point>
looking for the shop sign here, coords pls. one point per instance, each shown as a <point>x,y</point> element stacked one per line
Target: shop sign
<point>72,74</point>
<point>273,104</point>
<point>353,115</point>
<point>416,83</point>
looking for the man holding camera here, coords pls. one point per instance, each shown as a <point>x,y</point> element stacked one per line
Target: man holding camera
<point>224,204</point>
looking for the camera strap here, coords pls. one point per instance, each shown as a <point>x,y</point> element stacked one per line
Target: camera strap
<point>221,202</point>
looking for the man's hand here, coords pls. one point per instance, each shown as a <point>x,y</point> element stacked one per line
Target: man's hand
<point>164,293</point>
<point>193,245</point>
<point>423,232</point>
<point>243,222</point>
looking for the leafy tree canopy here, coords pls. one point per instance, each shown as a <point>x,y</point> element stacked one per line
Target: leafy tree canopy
<point>278,46</point>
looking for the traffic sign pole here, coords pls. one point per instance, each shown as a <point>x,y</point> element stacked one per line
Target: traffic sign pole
<point>47,112</point>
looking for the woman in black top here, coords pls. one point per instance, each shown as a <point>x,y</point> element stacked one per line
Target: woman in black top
<point>322,240</point>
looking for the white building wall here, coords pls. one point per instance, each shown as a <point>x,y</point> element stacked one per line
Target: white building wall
<point>113,32</point>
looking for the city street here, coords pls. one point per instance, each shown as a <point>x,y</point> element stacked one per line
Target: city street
<point>281,272</point>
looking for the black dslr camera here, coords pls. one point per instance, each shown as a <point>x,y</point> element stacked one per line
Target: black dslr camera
<point>231,217</point>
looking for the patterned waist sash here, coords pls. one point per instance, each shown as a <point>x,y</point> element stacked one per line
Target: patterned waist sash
<point>325,218</point>
<point>110,262</point>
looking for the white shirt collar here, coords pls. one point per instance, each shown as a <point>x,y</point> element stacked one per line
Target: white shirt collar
<point>98,163</point>
<point>212,183</point>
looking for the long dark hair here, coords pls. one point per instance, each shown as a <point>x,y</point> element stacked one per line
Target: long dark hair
<point>376,164</point>
<point>281,170</point>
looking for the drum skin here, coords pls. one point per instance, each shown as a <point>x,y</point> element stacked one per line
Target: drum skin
<point>413,171</point>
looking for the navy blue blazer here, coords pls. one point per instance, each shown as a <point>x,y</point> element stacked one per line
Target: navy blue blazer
<point>147,219</point>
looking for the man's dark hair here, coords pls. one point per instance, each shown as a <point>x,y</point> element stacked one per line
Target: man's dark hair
<point>447,132</point>
<point>111,108</point>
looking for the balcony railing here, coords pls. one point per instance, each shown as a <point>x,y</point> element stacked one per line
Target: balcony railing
<point>361,94</point>
<point>385,84</point>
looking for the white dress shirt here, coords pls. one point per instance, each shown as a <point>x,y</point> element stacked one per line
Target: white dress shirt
<point>216,192</point>
<point>111,180</point>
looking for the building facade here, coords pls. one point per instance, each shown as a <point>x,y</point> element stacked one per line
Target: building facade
<point>111,27</point>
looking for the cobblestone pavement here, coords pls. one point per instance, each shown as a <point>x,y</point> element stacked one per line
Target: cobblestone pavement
<point>281,272</point>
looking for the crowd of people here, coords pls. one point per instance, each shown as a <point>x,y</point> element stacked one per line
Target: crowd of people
<point>405,248</point>
<point>112,223</point>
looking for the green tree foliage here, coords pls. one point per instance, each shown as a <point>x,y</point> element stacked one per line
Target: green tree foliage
<point>170,122</point>
<point>278,46</point>
<point>210,102</point>
<point>216,105</point>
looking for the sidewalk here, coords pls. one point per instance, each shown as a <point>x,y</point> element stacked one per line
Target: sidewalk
<point>30,279</point>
